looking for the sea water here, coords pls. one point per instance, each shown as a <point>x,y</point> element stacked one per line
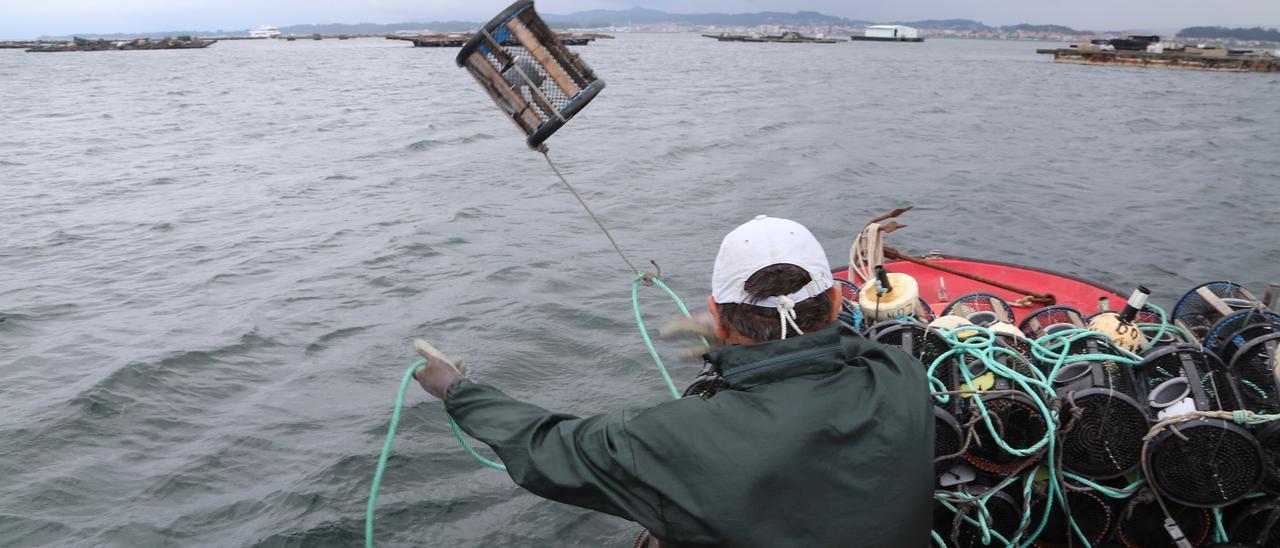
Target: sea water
<point>212,262</point>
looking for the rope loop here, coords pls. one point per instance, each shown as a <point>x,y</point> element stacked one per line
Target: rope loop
<point>787,315</point>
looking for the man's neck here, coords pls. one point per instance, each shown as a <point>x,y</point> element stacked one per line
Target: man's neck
<point>735,338</point>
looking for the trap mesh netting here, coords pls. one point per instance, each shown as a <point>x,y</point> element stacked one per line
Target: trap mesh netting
<point>1141,522</point>
<point>1091,513</point>
<point>1203,462</point>
<point>1254,367</point>
<point>529,72</point>
<point>1051,319</point>
<point>980,308</point>
<point>1255,523</point>
<point>1269,437</point>
<point>1202,307</point>
<point>1107,423</point>
<point>1233,330</point>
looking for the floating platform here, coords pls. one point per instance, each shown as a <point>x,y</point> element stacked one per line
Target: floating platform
<point>456,40</point>
<point>25,45</point>
<point>786,38</point>
<point>883,39</point>
<point>80,44</point>
<point>1225,62</point>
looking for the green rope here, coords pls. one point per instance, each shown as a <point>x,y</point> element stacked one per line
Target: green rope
<point>386,451</point>
<point>457,432</point>
<point>1219,532</point>
<point>937,539</point>
<point>984,516</point>
<point>1108,491</point>
<point>644,333</point>
<point>979,343</point>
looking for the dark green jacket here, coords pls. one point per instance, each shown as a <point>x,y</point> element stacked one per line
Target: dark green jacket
<point>820,440</point>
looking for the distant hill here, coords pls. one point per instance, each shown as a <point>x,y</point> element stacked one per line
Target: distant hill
<point>379,28</point>
<point>945,24</point>
<point>1255,33</point>
<point>645,16</point>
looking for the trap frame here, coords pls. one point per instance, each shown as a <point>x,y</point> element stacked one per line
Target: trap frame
<point>528,72</point>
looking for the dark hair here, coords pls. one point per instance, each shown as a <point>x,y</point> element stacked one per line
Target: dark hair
<point>761,324</point>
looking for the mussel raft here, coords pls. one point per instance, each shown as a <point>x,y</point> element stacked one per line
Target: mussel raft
<point>1085,426</point>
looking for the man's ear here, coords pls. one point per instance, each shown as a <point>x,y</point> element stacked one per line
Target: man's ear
<point>837,299</point>
<point>714,307</point>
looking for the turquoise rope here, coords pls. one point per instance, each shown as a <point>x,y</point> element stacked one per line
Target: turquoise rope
<point>1219,532</point>
<point>1113,493</point>
<point>457,432</point>
<point>644,333</point>
<point>937,539</point>
<point>1051,349</point>
<point>386,451</point>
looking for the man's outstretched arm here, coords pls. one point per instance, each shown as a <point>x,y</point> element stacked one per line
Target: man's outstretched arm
<point>585,462</point>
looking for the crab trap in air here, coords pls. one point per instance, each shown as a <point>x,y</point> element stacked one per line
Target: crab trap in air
<point>529,72</point>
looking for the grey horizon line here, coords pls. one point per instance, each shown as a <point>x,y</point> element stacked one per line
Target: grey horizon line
<point>578,13</point>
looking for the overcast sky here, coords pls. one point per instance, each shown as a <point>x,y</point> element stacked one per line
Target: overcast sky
<point>30,18</point>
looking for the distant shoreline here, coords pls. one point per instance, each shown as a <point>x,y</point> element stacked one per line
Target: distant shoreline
<point>648,20</point>
<point>24,44</point>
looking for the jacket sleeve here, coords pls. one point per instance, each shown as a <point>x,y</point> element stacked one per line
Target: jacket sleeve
<point>585,462</point>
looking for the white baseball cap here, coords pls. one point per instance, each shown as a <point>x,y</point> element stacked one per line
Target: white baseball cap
<point>766,241</point>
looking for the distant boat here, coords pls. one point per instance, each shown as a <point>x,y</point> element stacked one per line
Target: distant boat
<point>265,32</point>
<point>889,33</point>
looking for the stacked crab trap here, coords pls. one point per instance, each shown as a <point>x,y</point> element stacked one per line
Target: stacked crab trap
<point>1122,428</point>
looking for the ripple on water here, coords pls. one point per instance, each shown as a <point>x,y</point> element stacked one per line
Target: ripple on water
<point>216,373</point>
<point>326,340</point>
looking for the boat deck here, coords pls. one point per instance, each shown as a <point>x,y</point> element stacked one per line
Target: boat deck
<point>938,287</point>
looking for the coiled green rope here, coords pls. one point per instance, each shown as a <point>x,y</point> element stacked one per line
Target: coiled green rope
<point>979,343</point>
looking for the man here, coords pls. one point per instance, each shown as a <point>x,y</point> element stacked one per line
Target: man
<point>805,434</point>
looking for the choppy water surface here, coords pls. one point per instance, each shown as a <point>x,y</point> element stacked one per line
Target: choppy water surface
<point>212,262</point>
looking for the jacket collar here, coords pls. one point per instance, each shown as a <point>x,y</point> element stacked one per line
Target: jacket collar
<point>747,365</point>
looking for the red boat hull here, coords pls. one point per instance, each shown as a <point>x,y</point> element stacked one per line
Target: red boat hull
<point>1068,290</point>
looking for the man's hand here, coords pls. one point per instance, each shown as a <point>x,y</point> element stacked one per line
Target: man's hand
<point>699,325</point>
<point>440,372</point>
